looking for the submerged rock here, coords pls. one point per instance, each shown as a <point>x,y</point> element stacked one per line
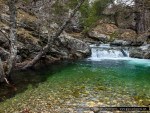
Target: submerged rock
<point>146,102</point>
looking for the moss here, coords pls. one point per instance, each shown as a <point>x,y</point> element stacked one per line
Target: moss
<point>113,35</point>
<point>146,102</point>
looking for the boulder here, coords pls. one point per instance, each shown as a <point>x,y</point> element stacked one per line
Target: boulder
<point>136,53</point>
<point>145,37</point>
<point>140,52</point>
<point>5,18</point>
<point>147,55</point>
<point>98,37</point>
<point>108,32</point>
<point>120,43</point>
<point>105,28</point>
<point>74,46</point>
<point>137,43</point>
<point>4,8</point>
<point>3,54</point>
<point>103,32</point>
<point>4,42</point>
<point>126,43</point>
<point>127,34</point>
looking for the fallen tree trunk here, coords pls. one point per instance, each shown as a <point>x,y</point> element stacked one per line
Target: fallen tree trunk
<point>57,34</point>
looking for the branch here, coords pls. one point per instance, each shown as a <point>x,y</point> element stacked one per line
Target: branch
<point>68,20</point>
<point>57,34</point>
<point>4,51</point>
<point>2,73</point>
<point>13,36</point>
<point>7,37</point>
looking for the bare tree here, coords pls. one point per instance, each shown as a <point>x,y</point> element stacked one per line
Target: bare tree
<point>13,36</point>
<point>13,48</point>
<point>56,35</point>
<point>142,11</point>
<point>11,62</point>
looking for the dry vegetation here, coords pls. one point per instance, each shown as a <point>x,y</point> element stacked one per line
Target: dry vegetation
<point>22,15</point>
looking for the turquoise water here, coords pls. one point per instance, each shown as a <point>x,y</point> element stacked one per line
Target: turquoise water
<point>82,83</point>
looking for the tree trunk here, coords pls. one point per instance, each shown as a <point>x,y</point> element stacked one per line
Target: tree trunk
<point>57,34</point>
<point>1,71</point>
<point>142,16</point>
<point>116,18</point>
<point>13,36</point>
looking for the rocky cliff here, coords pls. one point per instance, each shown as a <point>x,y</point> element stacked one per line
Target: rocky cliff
<point>31,37</point>
<point>104,32</point>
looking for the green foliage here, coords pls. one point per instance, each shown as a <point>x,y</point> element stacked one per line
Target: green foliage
<point>100,5</point>
<point>72,3</point>
<point>92,12</point>
<point>58,8</point>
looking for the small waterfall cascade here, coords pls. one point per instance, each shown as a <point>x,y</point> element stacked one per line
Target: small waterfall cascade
<point>105,51</point>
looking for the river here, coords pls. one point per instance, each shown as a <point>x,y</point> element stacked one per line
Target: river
<point>109,77</point>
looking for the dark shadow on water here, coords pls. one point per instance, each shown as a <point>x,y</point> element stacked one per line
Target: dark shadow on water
<point>22,79</point>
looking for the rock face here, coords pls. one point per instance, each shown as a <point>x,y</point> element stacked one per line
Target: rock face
<point>140,52</point>
<point>65,47</point>
<point>126,43</point>
<point>108,32</point>
<point>98,37</point>
<point>3,41</point>
<point>102,32</point>
<point>75,47</point>
<point>127,34</point>
<point>120,43</point>
<point>31,38</point>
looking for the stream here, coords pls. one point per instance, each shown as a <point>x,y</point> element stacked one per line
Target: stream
<point>109,77</point>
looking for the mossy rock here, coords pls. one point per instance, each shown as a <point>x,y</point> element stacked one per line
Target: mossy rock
<point>100,88</point>
<point>146,102</point>
<point>76,93</point>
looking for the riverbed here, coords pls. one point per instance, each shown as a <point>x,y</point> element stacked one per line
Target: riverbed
<point>80,86</point>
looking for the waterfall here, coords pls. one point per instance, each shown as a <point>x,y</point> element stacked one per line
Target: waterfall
<point>104,51</point>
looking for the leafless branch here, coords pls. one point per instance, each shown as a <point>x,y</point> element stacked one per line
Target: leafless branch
<point>57,34</point>
<point>7,37</point>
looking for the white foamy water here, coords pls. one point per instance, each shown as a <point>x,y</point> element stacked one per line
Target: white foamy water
<point>105,52</point>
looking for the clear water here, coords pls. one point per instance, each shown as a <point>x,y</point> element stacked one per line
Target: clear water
<point>80,84</point>
<point>107,78</point>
